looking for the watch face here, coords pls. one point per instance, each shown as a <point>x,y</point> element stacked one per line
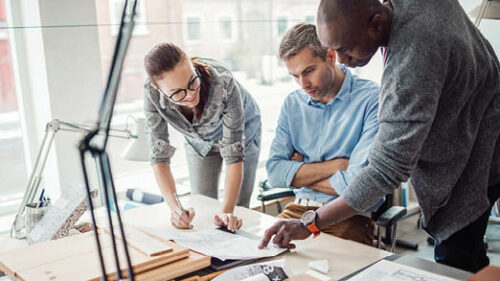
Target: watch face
<point>308,217</point>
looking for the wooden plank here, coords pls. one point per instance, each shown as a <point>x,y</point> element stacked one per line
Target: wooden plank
<point>194,262</point>
<point>43,253</point>
<point>144,243</point>
<point>75,258</point>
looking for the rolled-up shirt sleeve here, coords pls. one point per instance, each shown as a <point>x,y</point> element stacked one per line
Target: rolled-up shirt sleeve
<point>280,169</point>
<point>359,156</point>
<point>157,136</point>
<point>233,124</point>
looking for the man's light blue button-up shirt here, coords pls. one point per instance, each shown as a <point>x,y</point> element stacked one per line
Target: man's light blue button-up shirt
<point>342,128</point>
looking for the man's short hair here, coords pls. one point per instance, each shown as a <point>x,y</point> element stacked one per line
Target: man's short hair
<point>300,36</point>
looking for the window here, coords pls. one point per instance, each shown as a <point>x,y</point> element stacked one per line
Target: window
<point>193,29</point>
<point>240,34</point>
<point>250,32</point>
<point>311,19</point>
<point>226,29</point>
<point>282,25</point>
<point>13,178</point>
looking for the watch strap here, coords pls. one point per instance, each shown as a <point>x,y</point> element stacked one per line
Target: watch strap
<point>314,229</point>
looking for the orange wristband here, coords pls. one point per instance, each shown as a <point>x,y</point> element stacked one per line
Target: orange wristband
<point>314,229</point>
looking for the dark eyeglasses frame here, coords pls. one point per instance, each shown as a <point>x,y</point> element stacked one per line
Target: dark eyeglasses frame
<point>197,76</point>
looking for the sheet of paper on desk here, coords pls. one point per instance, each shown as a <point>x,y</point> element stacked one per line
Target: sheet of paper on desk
<point>391,271</point>
<point>217,243</point>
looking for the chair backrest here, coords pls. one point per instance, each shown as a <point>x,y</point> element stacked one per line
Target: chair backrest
<point>384,207</point>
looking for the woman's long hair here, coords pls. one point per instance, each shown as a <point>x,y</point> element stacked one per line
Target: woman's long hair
<point>164,57</point>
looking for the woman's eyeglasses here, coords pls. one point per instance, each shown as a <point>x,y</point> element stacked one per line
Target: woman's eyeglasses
<point>179,95</point>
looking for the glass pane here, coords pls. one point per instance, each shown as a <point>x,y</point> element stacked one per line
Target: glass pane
<point>193,28</point>
<point>241,34</point>
<point>311,19</point>
<point>282,25</point>
<point>13,177</point>
<point>226,28</point>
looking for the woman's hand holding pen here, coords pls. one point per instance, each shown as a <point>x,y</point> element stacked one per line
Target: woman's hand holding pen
<point>181,218</point>
<point>230,221</point>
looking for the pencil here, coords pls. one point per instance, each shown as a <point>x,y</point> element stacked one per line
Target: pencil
<point>180,206</point>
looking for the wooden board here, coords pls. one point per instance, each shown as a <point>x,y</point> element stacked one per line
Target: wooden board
<point>194,262</point>
<point>75,258</point>
<point>144,243</point>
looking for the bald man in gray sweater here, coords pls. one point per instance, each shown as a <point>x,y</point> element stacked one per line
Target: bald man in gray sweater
<point>439,114</point>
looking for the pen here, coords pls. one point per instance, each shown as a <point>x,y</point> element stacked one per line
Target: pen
<point>41,198</point>
<point>180,205</point>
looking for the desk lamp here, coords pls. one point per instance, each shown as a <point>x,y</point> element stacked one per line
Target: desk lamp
<point>18,229</point>
<point>97,148</point>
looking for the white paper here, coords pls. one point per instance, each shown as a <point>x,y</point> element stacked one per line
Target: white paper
<point>390,271</point>
<point>273,270</point>
<point>217,243</point>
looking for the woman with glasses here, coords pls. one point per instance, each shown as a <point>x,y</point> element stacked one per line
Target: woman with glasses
<point>220,122</point>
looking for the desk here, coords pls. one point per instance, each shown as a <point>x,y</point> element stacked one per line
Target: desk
<point>424,265</point>
<point>344,257</point>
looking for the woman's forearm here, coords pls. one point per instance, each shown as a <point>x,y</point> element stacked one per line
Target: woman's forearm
<point>234,176</point>
<point>165,181</point>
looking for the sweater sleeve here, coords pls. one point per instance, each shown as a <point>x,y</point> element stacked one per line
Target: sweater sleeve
<point>412,83</point>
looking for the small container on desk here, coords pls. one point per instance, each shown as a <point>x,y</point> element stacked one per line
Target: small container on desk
<point>34,213</point>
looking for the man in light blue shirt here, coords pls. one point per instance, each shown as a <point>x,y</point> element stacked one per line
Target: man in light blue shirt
<point>324,131</point>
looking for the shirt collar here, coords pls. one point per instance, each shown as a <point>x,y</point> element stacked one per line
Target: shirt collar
<point>343,92</point>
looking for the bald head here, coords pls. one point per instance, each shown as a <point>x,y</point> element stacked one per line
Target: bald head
<point>353,28</point>
<point>346,10</point>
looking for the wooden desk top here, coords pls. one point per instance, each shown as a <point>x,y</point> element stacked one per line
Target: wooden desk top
<point>344,257</point>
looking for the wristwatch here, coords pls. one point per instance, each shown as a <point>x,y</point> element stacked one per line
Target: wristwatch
<point>309,219</point>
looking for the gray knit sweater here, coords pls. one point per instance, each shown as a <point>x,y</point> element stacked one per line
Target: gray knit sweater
<point>439,114</point>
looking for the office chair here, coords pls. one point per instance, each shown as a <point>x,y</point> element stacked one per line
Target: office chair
<point>386,216</point>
